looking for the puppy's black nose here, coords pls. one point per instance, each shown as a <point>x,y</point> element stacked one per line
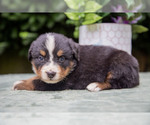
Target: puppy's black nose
<point>51,74</point>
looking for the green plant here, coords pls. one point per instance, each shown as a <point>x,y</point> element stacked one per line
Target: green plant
<point>84,12</point>
<point>79,19</point>
<point>79,13</point>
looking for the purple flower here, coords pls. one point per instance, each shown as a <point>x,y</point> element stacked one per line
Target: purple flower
<point>123,20</point>
<point>118,8</point>
<point>119,19</point>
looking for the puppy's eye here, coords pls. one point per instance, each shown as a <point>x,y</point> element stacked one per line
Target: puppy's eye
<point>41,58</point>
<point>61,59</point>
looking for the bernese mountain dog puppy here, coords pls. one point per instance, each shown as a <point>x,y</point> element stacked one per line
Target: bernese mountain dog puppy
<point>59,64</point>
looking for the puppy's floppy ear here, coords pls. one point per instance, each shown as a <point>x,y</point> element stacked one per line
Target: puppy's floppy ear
<point>75,48</point>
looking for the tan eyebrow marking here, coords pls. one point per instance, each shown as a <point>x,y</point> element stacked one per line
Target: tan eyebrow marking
<point>60,53</point>
<point>42,52</point>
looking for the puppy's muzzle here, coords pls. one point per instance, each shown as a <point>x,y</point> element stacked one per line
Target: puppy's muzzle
<point>51,74</point>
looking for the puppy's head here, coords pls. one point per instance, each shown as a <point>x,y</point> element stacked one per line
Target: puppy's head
<point>53,57</point>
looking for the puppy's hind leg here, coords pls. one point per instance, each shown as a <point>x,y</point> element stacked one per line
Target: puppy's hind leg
<point>97,86</point>
<point>125,70</point>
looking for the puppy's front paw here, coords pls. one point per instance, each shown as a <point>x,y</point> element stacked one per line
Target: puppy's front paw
<point>18,85</point>
<point>23,85</point>
<point>93,87</point>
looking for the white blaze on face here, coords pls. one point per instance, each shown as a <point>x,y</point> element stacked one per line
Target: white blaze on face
<point>50,45</point>
<point>50,66</point>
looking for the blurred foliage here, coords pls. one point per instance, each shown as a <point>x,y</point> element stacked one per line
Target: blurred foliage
<point>142,41</point>
<point>18,30</point>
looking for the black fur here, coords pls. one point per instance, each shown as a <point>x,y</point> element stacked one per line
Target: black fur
<point>92,63</point>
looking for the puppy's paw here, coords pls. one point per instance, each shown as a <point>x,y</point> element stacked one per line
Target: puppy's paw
<point>94,87</point>
<point>23,85</point>
<point>18,85</point>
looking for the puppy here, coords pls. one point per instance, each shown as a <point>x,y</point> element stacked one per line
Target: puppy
<point>59,64</point>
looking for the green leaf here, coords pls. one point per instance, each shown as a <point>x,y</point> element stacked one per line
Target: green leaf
<point>73,22</point>
<point>139,29</point>
<point>50,24</point>
<point>76,32</point>
<point>59,17</point>
<point>27,37</point>
<point>3,46</point>
<point>129,15</point>
<point>14,33</point>
<point>91,18</point>
<point>32,20</point>
<point>74,16</point>
<point>75,4</point>
<point>104,14</point>
<point>92,6</point>
<point>23,35</point>
<point>130,2</point>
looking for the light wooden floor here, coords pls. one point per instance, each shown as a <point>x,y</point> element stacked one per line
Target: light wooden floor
<point>74,107</point>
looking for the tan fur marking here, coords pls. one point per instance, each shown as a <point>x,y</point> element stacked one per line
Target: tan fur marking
<point>42,52</point>
<point>65,72</point>
<point>26,84</point>
<point>38,71</point>
<point>109,76</point>
<point>60,53</point>
<point>104,85</point>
